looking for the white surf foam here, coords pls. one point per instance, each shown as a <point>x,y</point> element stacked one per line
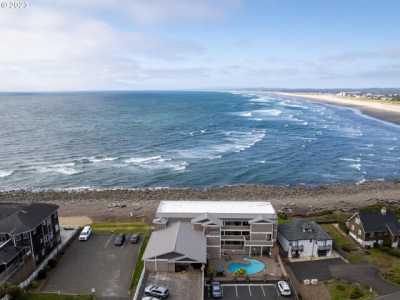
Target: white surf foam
<point>63,168</point>
<point>358,159</point>
<point>96,159</point>
<point>233,141</point>
<point>266,112</point>
<point>156,162</point>
<point>356,166</point>
<point>5,173</point>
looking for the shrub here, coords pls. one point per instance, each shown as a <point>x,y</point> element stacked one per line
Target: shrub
<point>356,293</point>
<point>241,272</point>
<point>15,292</point>
<point>34,284</point>
<point>42,274</point>
<point>52,263</point>
<point>340,287</point>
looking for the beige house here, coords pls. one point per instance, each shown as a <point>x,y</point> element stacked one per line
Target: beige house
<point>190,232</point>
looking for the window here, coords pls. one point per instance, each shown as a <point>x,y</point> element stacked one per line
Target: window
<point>352,227</point>
<point>357,220</point>
<point>25,236</point>
<point>359,232</point>
<point>269,237</point>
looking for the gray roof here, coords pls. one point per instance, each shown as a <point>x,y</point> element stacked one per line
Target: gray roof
<point>207,219</point>
<point>18,218</point>
<point>178,240</point>
<point>300,229</point>
<point>378,222</point>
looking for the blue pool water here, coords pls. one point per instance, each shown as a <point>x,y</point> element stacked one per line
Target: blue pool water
<point>252,266</point>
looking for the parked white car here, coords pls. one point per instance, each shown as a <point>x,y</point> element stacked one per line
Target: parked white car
<point>85,233</point>
<point>284,288</point>
<point>150,298</point>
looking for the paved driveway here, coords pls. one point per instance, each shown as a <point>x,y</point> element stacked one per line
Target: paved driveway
<point>365,274</point>
<point>98,264</point>
<point>249,292</point>
<point>316,269</point>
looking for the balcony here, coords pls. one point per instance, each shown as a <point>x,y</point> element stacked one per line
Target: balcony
<point>258,243</point>
<point>232,237</point>
<point>324,248</point>
<point>297,247</point>
<point>236,228</point>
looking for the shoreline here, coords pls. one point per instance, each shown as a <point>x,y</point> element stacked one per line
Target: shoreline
<point>379,110</point>
<point>142,204</point>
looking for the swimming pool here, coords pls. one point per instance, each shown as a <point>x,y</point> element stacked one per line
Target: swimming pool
<point>252,266</point>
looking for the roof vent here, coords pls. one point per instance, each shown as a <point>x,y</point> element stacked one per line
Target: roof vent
<point>307,227</point>
<point>383,211</point>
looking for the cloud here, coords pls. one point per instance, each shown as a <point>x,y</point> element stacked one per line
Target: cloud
<point>354,56</point>
<point>56,49</point>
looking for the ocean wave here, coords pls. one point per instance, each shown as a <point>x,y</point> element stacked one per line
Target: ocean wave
<point>356,166</point>
<point>358,159</point>
<point>4,173</point>
<point>156,162</point>
<point>234,141</point>
<point>266,112</point>
<point>98,159</point>
<point>63,168</point>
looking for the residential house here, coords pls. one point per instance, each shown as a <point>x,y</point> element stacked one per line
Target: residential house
<point>212,228</point>
<point>27,231</point>
<point>304,239</point>
<point>374,227</point>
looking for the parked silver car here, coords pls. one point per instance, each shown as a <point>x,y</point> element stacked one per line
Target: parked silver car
<point>156,291</point>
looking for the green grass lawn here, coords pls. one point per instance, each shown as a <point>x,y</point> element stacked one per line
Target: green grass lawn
<point>353,252</point>
<point>345,291</point>
<point>42,296</point>
<point>115,227</point>
<point>389,265</point>
<point>139,264</point>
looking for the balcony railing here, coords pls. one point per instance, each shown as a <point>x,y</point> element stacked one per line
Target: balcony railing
<point>297,247</point>
<point>323,248</point>
<point>233,227</point>
<point>258,243</point>
<point>232,237</point>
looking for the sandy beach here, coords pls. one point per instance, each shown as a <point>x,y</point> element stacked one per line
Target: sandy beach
<point>141,204</point>
<point>377,109</point>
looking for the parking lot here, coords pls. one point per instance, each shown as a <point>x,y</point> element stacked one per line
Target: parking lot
<point>249,291</point>
<point>181,285</point>
<point>97,264</point>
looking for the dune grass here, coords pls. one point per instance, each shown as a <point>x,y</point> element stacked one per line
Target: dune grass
<point>115,227</point>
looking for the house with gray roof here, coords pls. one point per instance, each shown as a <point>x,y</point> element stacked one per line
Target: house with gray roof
<point>304,239</point>
<point>188,233</point>
<point>374,227</point>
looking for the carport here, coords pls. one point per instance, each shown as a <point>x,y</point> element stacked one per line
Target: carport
<point>176,248</point>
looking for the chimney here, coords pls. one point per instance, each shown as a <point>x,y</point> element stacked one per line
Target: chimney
<point>383,211</point>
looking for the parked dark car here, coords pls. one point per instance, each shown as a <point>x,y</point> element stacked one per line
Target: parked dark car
<point>157,291</point>
<point>216,290</point>
<point>119,240</point>
<point>134,238</point>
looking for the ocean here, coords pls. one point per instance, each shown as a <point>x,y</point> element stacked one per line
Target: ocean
<point>104,140</point>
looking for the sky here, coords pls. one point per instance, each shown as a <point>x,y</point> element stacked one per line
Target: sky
<point>72,45</point>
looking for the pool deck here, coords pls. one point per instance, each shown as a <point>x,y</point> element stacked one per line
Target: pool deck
<point>272,270</point>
